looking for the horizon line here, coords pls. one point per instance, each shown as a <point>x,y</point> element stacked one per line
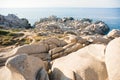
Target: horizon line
<point>59,7</point>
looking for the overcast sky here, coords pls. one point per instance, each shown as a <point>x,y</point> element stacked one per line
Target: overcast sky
<point>59,3</point>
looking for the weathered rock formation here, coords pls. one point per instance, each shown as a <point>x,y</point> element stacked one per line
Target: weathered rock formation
<point>98,27</point>
<point>83,26</point>
<point>40,50</point>
<point>84,64</point>
<point>73,57</point>
<point>114,33</point>
<point>112,59</point>
<point>80,54</point>
<point>12,21</point>
<point>23,67</point>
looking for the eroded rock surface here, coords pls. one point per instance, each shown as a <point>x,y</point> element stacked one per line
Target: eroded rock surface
<point>78,53</point>
<point>112,58</point>
<point>23,67</point>
<point>12,21</point>
<point>84,26</point>
<point>84,64</point>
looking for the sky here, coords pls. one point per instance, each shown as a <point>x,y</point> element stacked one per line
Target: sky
<point>59,3</point>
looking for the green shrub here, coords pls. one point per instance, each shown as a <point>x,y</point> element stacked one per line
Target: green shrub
<point>4,32</point>
<point>15,34</point>
<point>7,40</point>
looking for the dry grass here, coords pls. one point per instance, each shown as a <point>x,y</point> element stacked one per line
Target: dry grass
<point>12,37</point>
<point>7,37</point>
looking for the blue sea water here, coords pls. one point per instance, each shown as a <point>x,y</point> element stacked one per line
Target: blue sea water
<point>110,16</point>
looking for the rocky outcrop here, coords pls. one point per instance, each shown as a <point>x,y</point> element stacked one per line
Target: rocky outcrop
<point>12,21</point>
<point>72,57</point>
<point>86,63</point>
<point>53,48</point>
<point>93,39</point>
<point>40,49</point>
<point>82,27</point>
<point>112,59</point>
<point>71,39</point>
<point>80,54</point>
<point>97,28</point>
<point>114,33</point>
<point>21,67</point>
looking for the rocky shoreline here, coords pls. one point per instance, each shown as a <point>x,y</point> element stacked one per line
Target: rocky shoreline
<point>12,21</point>
<point>66,24</point>
<point>84,52</point>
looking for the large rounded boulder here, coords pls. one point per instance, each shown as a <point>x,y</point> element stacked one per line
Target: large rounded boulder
<point>23,67</point>
<point>112,59</point>
<point>84,64</point>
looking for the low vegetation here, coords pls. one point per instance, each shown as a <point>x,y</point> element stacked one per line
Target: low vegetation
<point>7,37</point>
<point>15,37</point>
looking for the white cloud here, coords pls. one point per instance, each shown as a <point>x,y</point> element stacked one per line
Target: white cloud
<point>58,3</point>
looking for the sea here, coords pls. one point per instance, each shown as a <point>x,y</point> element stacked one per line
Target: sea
<point>111,16</point>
